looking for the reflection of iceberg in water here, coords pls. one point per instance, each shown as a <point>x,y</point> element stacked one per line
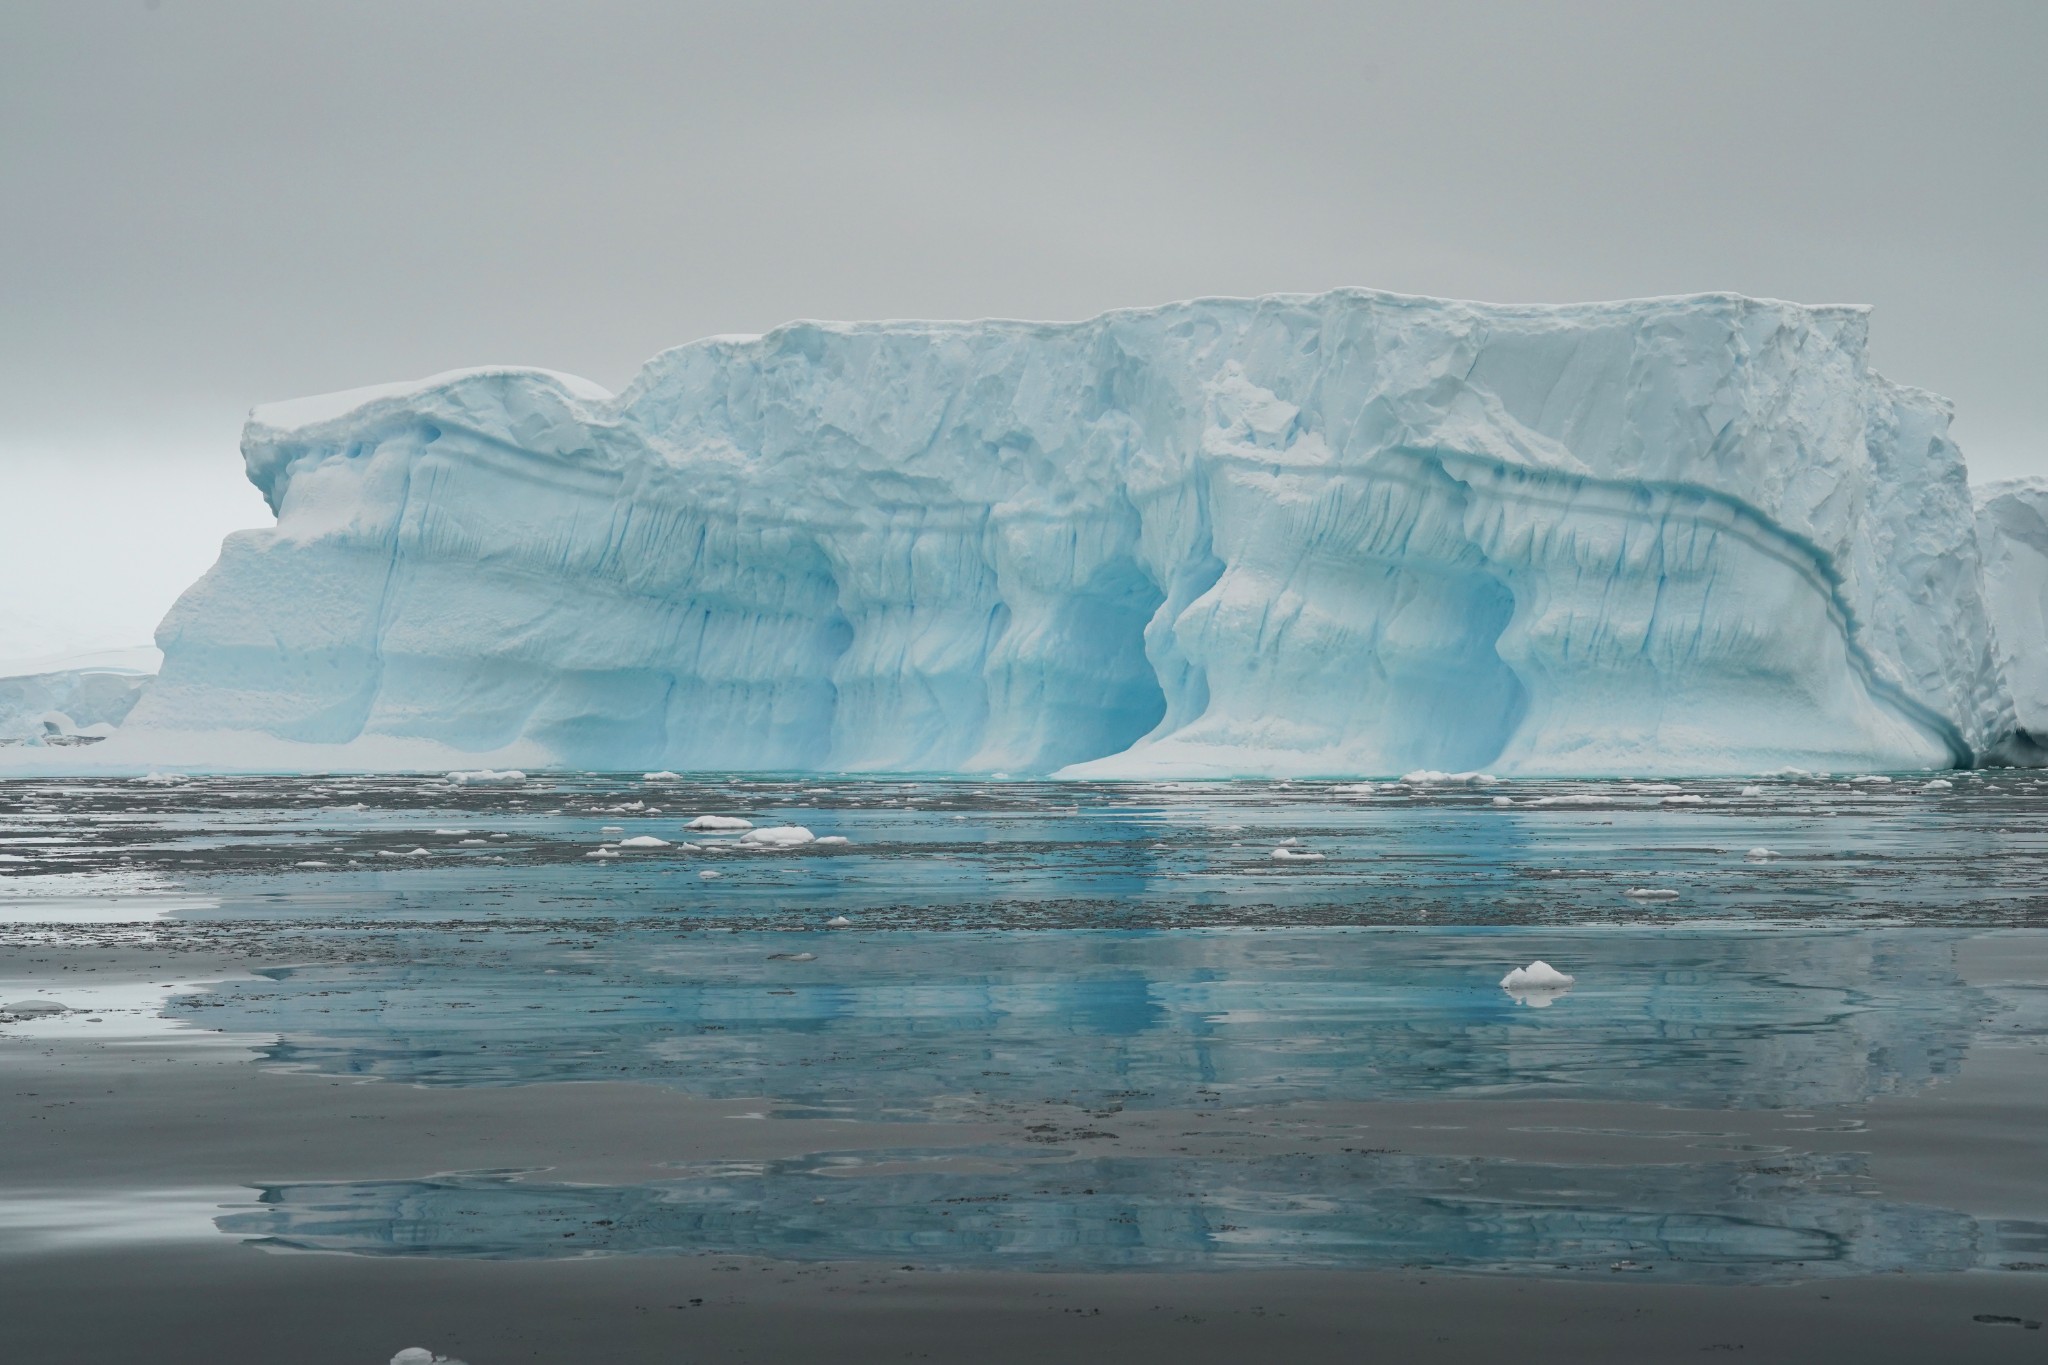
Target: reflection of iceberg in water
<point>1796,1217</point>
<point>892,1024</point>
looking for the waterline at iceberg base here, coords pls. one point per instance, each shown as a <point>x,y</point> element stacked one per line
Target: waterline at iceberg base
<point>1344,534</point>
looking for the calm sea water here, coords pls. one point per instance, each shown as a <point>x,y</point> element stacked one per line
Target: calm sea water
<point>1113,971</point>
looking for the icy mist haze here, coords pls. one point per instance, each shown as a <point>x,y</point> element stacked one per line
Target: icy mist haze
<point>215,204</point>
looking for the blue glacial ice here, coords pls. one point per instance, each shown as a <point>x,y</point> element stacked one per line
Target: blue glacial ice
<point>1351,533</point>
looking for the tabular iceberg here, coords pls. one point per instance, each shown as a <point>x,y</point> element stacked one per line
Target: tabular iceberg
<point>2012,532</point>
<point>1348,533</point>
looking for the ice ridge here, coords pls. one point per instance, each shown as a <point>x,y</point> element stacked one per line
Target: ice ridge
<point>1350,533</point>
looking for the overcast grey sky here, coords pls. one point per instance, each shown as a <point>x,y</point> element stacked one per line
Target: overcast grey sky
<point>211,204</point>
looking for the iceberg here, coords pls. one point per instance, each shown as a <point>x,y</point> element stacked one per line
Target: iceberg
<point>1351,534</point>
<point>2012,532</point>
<point>68,706</point>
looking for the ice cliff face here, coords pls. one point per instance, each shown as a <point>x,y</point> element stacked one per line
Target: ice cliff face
<point>2012,530</point>
<point>1347,533</point>
<point>67,706</point>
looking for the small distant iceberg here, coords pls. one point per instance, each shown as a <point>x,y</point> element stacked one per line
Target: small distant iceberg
<point>778,836</point>
<point>719,822</point>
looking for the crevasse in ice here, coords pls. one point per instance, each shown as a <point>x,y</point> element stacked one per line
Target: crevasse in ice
<point>1348,533</point>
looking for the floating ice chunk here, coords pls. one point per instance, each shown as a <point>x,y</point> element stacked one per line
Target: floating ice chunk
<point>473,843</point>
<point>32,1009</point>
<point>839,922</point>
<point>420,1355</point>
<point>778,836</point>
<point>1760,854</point>
<point>1503,800</point>
<point>1751,791</point>
<point>1537,986</point>
<point>709,876</point>
<point>1872,779</point>
<point>1354,789</point>
<point>1683,801</point>
<point>1654,788</point>
<point>835,839</point>
<point>1573,799</point>
<point>1431,777</point>
<point>644,841</point>
<point>1538,975</point>
<point>661,777</point>
<point>792,957</point>
<point>611,829</point>
<point>487,777</point>
<point>602,853</point>
<point>312,862</point>
<point>1938,784</point>
<point>1651,893</point>
<point>408,853</point>
<point>719,822</point>
<point>451,832</point>
<point>156,779</point>
<point>1295,855</point>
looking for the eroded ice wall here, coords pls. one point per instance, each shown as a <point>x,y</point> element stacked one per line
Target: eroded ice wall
<point>1343,533</point>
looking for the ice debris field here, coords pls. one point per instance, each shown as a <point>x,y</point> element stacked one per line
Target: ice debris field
<point>1348,534</point>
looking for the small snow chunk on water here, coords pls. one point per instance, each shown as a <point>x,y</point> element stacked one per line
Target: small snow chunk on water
<point>778,836</point>
<point>1574,799</point>
<point>792,957</point>
<point>409,853</point>
<point>835,839</point>
<point>643,841</point>
<point>420,1355</point>
<point>1873,780</point>
<point>1683,801</point>
<point>1354,789</point>
<point>1428,776</point>
<point>1760,854</point>
<point>451,832</point>
<point>486,777</point>
<point>602,853</point>
<point>1295,855</point>
<point>1752,791</point>
<point>839,922</point>
<point>311,862</point>
<point>1939,784</point>
<point>1538,975</point>
<point>1503,800</point>
<point>717,822</point>
<point>161,779</point>
<point>709,876</point>
<point>1650,893</point>
<point>661,777</point>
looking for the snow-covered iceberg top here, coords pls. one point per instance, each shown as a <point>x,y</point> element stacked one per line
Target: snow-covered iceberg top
<point>1350,533</point>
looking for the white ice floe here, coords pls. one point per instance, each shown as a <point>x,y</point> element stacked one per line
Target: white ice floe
<point>839,922</point>
<point>644,841</point>
<point>1938,784</point>
<point>661,777</point>
<point>1503,800</point>
<point>1431,777</point>
<point>487,777</point>
<point>836,840</point>
<point>1751,791</point>
<point>1574,799</point>
<point>1760,854</point>
<point>1537,986</point>
<point>602,853</point>
<point>778,836</point>
<point>792,957</point>
<point>451,832</point>
<point>1354,789</point>
<point>1651,893</point>
<point>709,876</point>
<point>1538,975</point>
<point>1683,801</point>
<point>32,1009</point>
<point>420,1355</point>
<point>719,822</point>
<point>407,853</point>
<point>1873,780</point>
<point>1284,854</point>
